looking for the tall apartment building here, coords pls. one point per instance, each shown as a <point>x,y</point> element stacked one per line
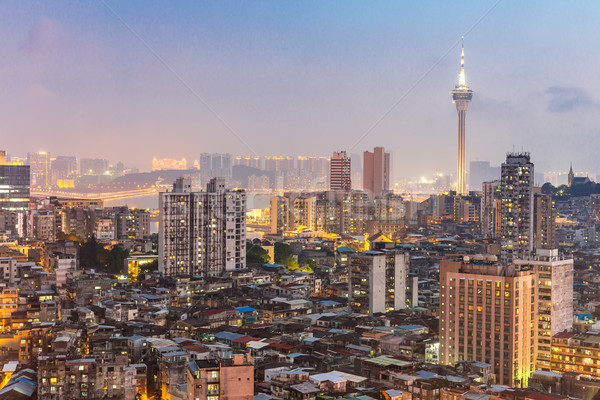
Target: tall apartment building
<point>339,171</point>
<point>63,167</point>
<point>279,163</point>
<point>280,215</point>
<point>376,171</point>
<point>14,187</point>
<point>318,165</point>
<point>516,193</point>
<point>389,207</point>
<point>490,210</point>
<point>488,313</point>
<point>248,161</point>
<point>377,281</point>
<point>202,232</point>
<point>216,164</point>
<point>93,166</point>
<point>39,166</point>
<point>293,210</point>
<point>341,212</point>
<point>554,298</point>
<point>227,379</point>
<point>304,211</point>
<point>544,221</point>
<point>130,223</point>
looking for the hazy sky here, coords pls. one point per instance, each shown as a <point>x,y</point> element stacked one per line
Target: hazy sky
<point>301,77</point>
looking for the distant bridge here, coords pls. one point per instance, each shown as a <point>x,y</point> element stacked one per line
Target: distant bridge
<point>116,195</point>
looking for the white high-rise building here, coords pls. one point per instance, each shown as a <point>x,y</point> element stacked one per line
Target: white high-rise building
<point>377,281</point>
<point>555,299</point>
<point>202,232</point>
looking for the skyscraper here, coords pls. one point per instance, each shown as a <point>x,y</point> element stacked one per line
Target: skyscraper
<point>93,166</point>
<point>516,209</point>
<point>216,164</point>
<point>39,164</point>
<point>339,171</point>
<point>201,232</point>
<point>376,171</point>
<point>14,187</point>
<point>461,95</point>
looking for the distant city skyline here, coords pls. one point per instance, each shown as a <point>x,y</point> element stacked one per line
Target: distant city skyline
<point>298,78</point>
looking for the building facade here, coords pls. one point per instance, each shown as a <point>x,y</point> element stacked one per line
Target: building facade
<point>202,232</point>
<point>516,193</point>
<point>231,379</point>
<point>377,281</point>
<point>376,171</point>
<point>339,171</point>
<point>490,210</point>
<point>14,187</point>
<point>488,313</point>
<point>39,164</point>
<point>544,222</point>
<point>554,300</point>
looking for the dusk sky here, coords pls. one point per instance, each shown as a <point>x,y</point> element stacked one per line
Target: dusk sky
<point>301,78</point>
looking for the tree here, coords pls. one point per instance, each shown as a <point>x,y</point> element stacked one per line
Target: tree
<point>145,269</point>
<point>257,255</point>
<point>282,252</point>
<point>284,255</point>
<point>312,264</point>
<point>115,260</point>
<point>92,254</point>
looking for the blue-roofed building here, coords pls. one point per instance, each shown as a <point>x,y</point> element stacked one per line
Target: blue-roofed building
<point>249,315</point>
<point>227,337</point>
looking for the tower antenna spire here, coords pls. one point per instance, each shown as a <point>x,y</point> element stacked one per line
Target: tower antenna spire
<point>461,77</point>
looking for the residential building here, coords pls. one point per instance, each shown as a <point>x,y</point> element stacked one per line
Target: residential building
<point>377,281</point>
<point>554,299</point>
<point>202,232</point>
<point>339,171</point>
<point>516,194</point>
<point>490,210</point>
<point>93,166</point>
<point>544,221</point>
<point>280,215</point>
<point>223,379</point>
<point>376,171</point>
